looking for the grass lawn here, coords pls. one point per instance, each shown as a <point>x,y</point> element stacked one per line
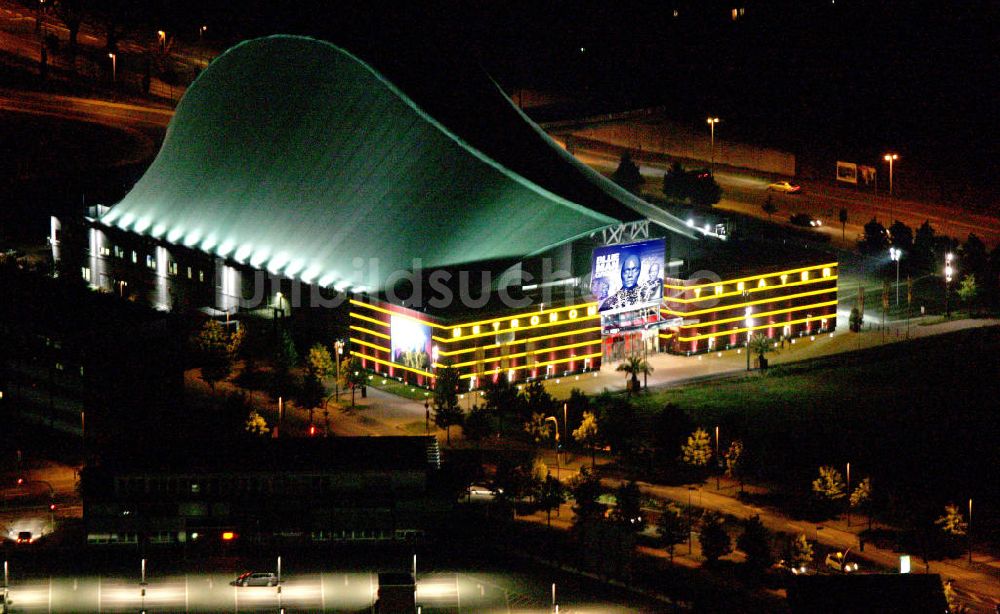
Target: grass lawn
<point>920,414</point>
<point>402,389</point>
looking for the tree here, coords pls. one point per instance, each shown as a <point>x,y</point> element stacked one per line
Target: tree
<point>586,489</point>
<point>312,393</point>
<point>673,528</point>
<point>761,344</point>
<point>536,399</point>
<point>479,424</point>
<point>923,247</point>
<point>447,413</point>
<point>975,258</point>
<point>715,541</point>
<point>218,349</point>
<point>967,291</point>
<point>587,436</point>
<point>902,236</point>
<point>735,463</point>
<point>256,425</point>
<point>71,13</point>
<point>553,494</point>
<point>698,186</point>
<point>285,358</point>
<point>670,428</point>
<point>843,223</point>
<point>800,551</point>
<point>537,428</point>
<point>875,240</point>
<point>861,498</point>
<point>319,362</point>
<point>829,485</point>
<point>502,400</point>
<point>698,450</point>
<point>634,365</point>
<point>952,523</point>
<point>769,207</point>
<point>628,507</point>
<point>627,174</point>
<point>856,320</point>
<point>352,375</point>
<point>755,542</point>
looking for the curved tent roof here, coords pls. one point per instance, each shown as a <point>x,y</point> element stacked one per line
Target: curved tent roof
<point>293,155</point>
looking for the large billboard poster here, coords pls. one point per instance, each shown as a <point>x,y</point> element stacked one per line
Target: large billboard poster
<point>410,342</point>
<point>629,276</point>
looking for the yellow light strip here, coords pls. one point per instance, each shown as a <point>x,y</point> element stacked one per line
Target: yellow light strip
<point>580,331</point>
<point>362,329</point>
<point>521,354</point>
<point>390,364</point>
<point>367,319</point>
<point>753,277</point>
<point>381,348</point>
<point>710,296</point>
<point>541,364</point>
<point>737,331</point>
<point>759,315</point>
<point>747,304</point>
<point>527,314</point>
<point>492,332</point>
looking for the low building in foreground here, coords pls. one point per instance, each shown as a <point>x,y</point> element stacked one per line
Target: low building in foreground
<point>328,490</point>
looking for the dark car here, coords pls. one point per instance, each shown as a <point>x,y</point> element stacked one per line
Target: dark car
<point>251,578</point>
<point>804,219</point>
<point>24,537</point>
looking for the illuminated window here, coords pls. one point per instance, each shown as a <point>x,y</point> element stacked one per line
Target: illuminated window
<point>201,276</point>
<point>119,252</point>
<point>150,262</point>
<point>553,316</point>
<point>189,272</point>
<point>104,250</point>
<point>456,332</point>
<point>135,257</point>
<point>826,272</point>
<point>172,268</point>
<point>85,271</point>
<point>805,275</point>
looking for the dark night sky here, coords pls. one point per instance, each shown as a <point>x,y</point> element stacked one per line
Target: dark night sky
<point>840,79</point>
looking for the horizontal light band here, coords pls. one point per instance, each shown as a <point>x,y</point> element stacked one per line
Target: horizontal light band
<point>367,319</point>
<point>737,331</point>
<point>759,315</point>
<point>753,277</point>
<point>749,303</point>
<point>374,346</point>
<point>527,314</point>
<point>390,364</point>
<point>541,364</point>
<point>362,329</point>
<point>521,354</point>
<point>580,331</point>
<point>710,296</point>
<point>490,332</point>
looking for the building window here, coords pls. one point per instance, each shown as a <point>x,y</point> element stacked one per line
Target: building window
<point>104,250</point>
<point>135,257</point>
<point>119,252</point>
<point>85,271</point>
<point>172,268</point>
<point>189,272</point>
<point>150,262</point>
<point>201,276</point>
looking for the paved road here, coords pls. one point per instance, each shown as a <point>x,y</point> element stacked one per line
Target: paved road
<point>307,592</point>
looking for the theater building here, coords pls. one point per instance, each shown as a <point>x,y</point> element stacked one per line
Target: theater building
<point>297,180</point>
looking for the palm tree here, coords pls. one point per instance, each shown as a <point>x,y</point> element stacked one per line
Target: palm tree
<point>634,365</point>
<point>761,344</point>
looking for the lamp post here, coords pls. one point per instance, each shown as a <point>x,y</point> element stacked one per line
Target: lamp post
<point>711,125</point>
<point>555,421</point>
<point>718,459</point>
<point>948,273</point>
<point>890,158</point>
<point>339,347</point>
<point>749,323</point>
<point>968,531</point>
<point>114,67</point>
<point>848,494</point>
<point>896,254</point>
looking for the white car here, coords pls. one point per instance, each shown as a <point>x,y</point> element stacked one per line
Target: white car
<point>837,561</point>
<point>784,186</point>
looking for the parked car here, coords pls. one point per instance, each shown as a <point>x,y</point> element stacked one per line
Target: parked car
<point>255,579</point>
<point>786,567</point>
<point>784,186</point>
<point>838,561</point>
<point>804,219</point>
<point>25,537</point>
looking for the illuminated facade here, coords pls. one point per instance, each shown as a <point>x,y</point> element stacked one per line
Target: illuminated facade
<point>719,315</point>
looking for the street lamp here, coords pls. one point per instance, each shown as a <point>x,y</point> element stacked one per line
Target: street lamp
<point>555,421</point>
<point>749,322</point>
<point>890,158</point>
<point>848,494</point>
<point>948,273</point>
<point>339,346</point>
<point>896,254</point>
<point>114,67</point>
<point>711,124</point>
<point>718,459</point>
<point>968,531</point>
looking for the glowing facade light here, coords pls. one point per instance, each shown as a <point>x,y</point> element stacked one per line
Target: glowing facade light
<point>142,224</point>
<point>327,279</point>
<point>260,256</point>
<point>225,248</point>
<point>310,274</point>
<point>174,235</point>
<point>242,253</point>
